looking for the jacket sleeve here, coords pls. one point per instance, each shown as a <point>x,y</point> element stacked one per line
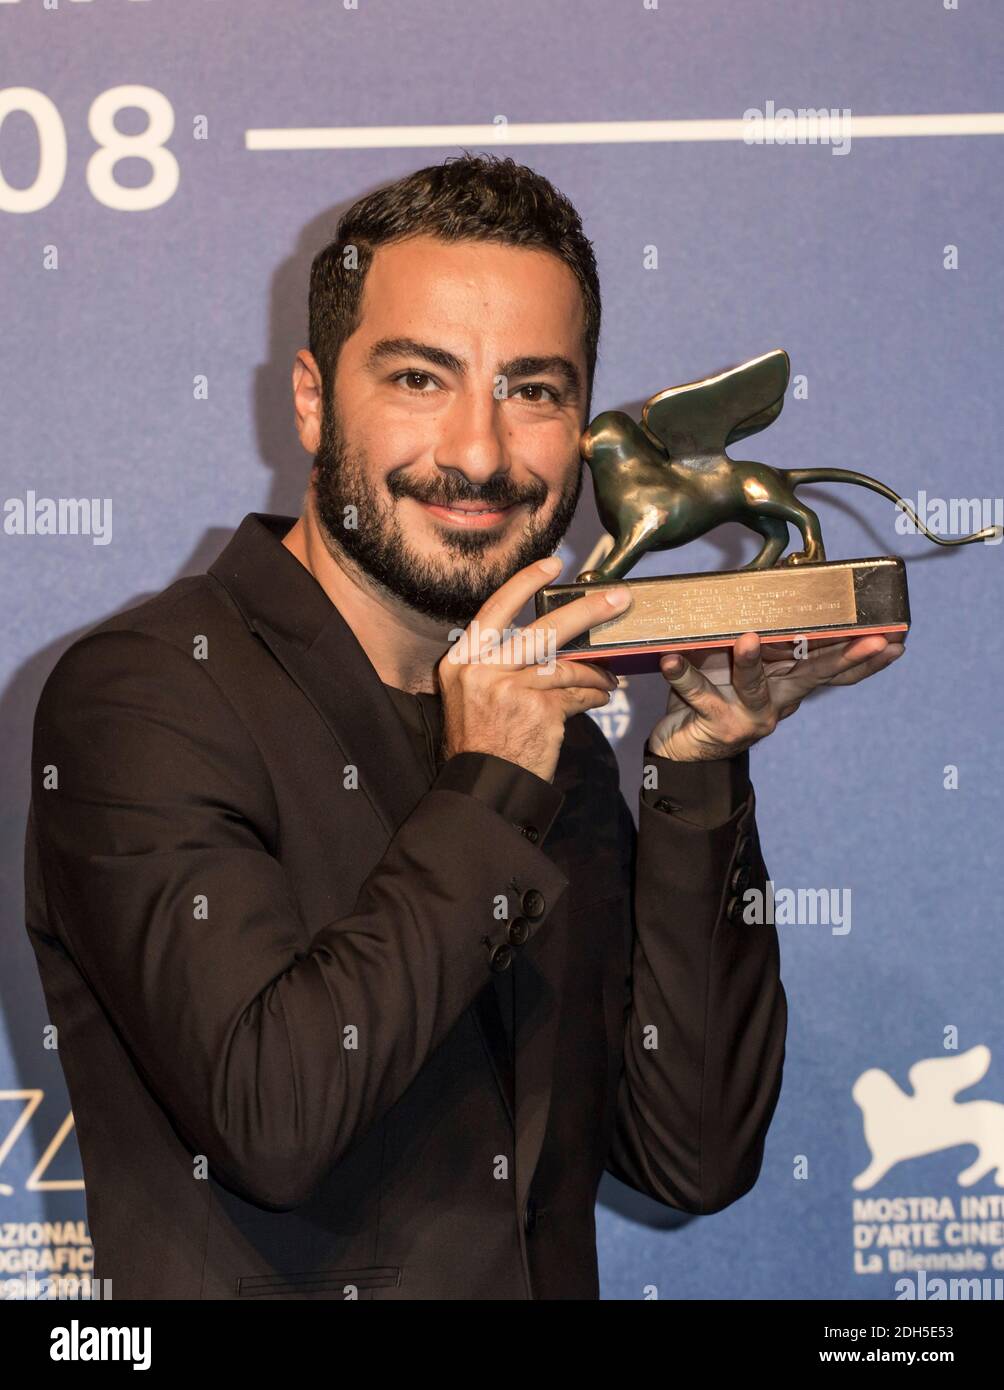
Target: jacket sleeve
<point>272,1050</point>
<point>706,1013</point>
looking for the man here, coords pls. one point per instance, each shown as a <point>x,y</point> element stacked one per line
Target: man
<point>361,975</point>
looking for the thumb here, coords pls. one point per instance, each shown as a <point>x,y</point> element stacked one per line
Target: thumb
<point>689,683</point>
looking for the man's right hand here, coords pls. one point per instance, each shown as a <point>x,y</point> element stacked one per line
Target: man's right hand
<point>503,701</point>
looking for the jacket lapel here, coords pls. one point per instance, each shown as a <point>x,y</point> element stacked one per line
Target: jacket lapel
<point>283,603</point>
<point>336,676</point>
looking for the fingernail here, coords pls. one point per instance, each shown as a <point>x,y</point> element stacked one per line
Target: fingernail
<point>617,598</point>
<point>551,565</point>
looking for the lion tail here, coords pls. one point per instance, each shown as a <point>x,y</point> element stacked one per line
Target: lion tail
<point>795,477</point>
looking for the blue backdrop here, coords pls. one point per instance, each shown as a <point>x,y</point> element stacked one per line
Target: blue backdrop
<point>154,296</point>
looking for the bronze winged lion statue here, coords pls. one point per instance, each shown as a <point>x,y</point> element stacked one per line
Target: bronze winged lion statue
<point>669,480</point>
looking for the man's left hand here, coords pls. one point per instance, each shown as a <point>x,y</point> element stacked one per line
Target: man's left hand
<point>706,720</point>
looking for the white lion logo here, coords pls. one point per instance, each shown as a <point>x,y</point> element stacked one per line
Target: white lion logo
<point>899,1126</point>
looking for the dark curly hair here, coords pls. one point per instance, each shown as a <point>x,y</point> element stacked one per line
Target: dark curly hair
<point>467,197</point>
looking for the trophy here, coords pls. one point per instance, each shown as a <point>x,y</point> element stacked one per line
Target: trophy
<point>667,481</point>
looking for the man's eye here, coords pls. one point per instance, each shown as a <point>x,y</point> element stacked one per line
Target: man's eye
<point>417,383</point>
<point>553,396</point>
<point>411,377</point>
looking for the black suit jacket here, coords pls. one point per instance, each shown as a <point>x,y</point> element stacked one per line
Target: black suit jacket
<point>269,947</point>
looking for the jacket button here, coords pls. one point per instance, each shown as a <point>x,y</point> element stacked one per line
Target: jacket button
<point>531,832</point>
<point>534,904</point>
<point>518,931</point>
<point>743,854</point>
<point>664,804</point>
<point>500,956</point>
<point>741,878</point>
<point>734,909</point>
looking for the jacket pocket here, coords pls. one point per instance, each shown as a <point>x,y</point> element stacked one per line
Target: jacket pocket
<point>318,1281</point>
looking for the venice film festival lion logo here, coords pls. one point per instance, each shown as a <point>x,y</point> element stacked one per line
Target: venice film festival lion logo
<point>899,1126</point>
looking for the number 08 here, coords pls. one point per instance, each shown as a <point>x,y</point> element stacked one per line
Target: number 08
<point>113,146</point>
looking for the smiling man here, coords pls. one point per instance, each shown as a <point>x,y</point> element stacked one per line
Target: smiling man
<point>362,975</point>
<point>447,458</point>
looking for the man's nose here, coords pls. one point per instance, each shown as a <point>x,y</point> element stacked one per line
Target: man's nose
<point>473,446</point>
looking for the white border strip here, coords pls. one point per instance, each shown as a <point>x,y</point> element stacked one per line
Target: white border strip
<point>618,132</point>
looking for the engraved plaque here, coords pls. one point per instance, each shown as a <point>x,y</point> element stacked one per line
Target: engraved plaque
<point>754,601</point>
<point>840,598</point>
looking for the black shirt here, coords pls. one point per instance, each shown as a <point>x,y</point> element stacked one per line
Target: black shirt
<point>422,715</point>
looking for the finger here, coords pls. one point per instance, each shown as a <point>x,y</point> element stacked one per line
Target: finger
<point>777,651</point>
<point>749,680</point>
<point>870,645</point>
<point>790,688</point>
<point>834,663</point>
<point>869,667</point>
<point>692,686</point>
<point>824,666</point>
<point>714,662</point>
<point>576,700</point>
<point>824,662</point>
<point>500,610</point>
<point>562,624</point>
<point>785,650</point>
<point>566,673</point>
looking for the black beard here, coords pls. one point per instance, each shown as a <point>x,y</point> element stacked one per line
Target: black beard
<point>378,545</point>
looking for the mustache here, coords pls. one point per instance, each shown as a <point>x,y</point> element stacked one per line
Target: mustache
<point>498,491</point>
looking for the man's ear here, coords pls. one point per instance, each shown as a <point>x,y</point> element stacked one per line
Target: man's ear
<point>308,400</point>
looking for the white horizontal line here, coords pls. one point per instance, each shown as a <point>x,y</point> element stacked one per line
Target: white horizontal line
<point>615,132</point>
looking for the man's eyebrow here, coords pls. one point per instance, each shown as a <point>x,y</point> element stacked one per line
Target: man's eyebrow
<point>545,366</point>
<point>440,357</point>
<point>408,347</point>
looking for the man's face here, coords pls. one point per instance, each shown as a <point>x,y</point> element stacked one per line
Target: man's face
<point>454,478</point>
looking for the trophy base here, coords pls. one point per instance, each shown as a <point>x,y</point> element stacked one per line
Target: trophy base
<point>689,612</point>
